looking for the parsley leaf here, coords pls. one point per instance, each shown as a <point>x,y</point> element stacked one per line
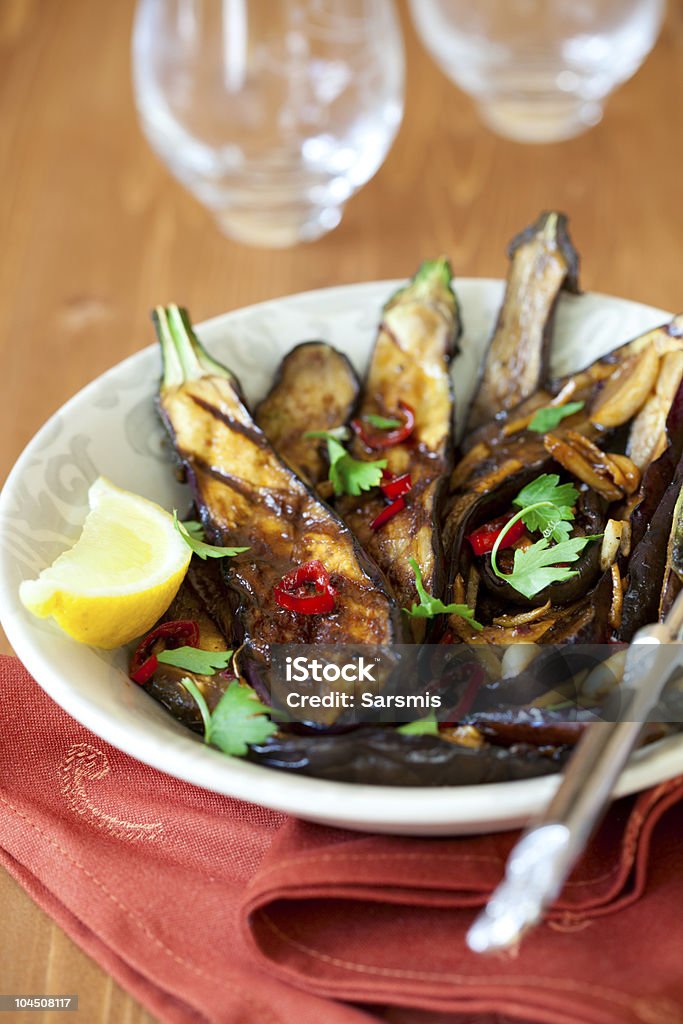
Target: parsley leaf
<point>421,727</point>
<point>193,659</point>
<point>349,475</point>
<point>430,606</point>
<point>381,422</point>
<point>194,528</point>
<point>200,701</point>
<point>191,536</point>
<point>548,418</point>
<point>547,506</point>
<point>337,434</point>
<point>238,719</point>
<point>537,566</point>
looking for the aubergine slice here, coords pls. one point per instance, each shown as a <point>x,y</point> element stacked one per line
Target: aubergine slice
<point>385,757</point>
<point>658,473</point>
<point>614,389</point>
<point>315,388</point>
<point>650,584</point>
<point>202,598</point>
<point>504,455</point>
<point>247,497</point>
<point>537,727</point>
<point>541,728</point>
<point>410,366</point>
<point>543,261</point>
<point>673,572</point>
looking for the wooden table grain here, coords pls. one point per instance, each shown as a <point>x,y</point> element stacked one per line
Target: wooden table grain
<point>94,232</point>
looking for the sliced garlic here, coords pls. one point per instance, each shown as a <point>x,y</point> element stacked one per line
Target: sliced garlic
<point>627,389</point>
<point>611,543</point>
<point>517,657</point>
<point>605,677</point>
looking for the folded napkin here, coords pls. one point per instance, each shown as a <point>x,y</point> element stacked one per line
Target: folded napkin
<point>209,909</point>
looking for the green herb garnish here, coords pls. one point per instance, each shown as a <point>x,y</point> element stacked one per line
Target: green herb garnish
<point>430,606</point>
<point>381,422</point>
<point>238,719</point>
<point>537,566</point>
<point>548,418</point>
<point>547,507</point>
<point>349,475</point>
<point>337,434</point>
<point>192,533</point>
<point>421,727</point>
<point>193,659</point>
<point>194,528</point>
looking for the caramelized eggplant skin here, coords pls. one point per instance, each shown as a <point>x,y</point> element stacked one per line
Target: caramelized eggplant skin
<point>315,388</point>
<point>504,455</point>
<point>410,364</point>
<point>385,757</point>
<point>673,572</point>
<point>543,262</point>
<point>531,726</point>
<point>247,497</point>
<point>587,620</point>
<point>648,563</point>
<point>507,435</point>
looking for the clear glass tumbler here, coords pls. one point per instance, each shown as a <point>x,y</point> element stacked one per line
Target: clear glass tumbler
<point>539,69</point>
<point>272,112</point>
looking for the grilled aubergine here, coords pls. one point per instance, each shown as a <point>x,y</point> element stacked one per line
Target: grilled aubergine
<point>408,384</point>
<point>202,599</point>
<point>247,497</point>
<point>587,447</point>
<point>315,389</point>
<point>543,261</point>
<point>621,449</point>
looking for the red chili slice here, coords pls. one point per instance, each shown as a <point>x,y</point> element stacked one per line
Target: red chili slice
<point>387,438</point>
<point>474,683</point>
<point>144,673</point>
<point>395,486</point>
<point>178,633</point>
<point>483,539</point>
<point>312,573</point>
<point>388,513</point>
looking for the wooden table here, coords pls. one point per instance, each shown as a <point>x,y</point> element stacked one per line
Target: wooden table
<point>94,232</point>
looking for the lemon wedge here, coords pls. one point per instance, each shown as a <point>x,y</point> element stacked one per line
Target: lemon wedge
<point>119,577</point>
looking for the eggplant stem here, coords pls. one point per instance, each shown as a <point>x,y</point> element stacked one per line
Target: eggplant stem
<point>431,282</point>
<point>184,357</point>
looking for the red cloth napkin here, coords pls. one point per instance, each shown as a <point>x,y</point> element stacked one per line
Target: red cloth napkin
<point>210,909</point>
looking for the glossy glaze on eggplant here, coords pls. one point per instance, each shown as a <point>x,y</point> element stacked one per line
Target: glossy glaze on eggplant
<point>504,455</point>
<point>622,451</point>
<point>410,364</point>
<point>247,497</point>
<point>543,261</point>
<point>315,388</point>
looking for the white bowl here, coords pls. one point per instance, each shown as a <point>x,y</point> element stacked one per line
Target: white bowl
<point>110,427</point>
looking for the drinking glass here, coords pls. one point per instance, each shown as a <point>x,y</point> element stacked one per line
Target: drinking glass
<point>539,70</point>
<point>272,112</point>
